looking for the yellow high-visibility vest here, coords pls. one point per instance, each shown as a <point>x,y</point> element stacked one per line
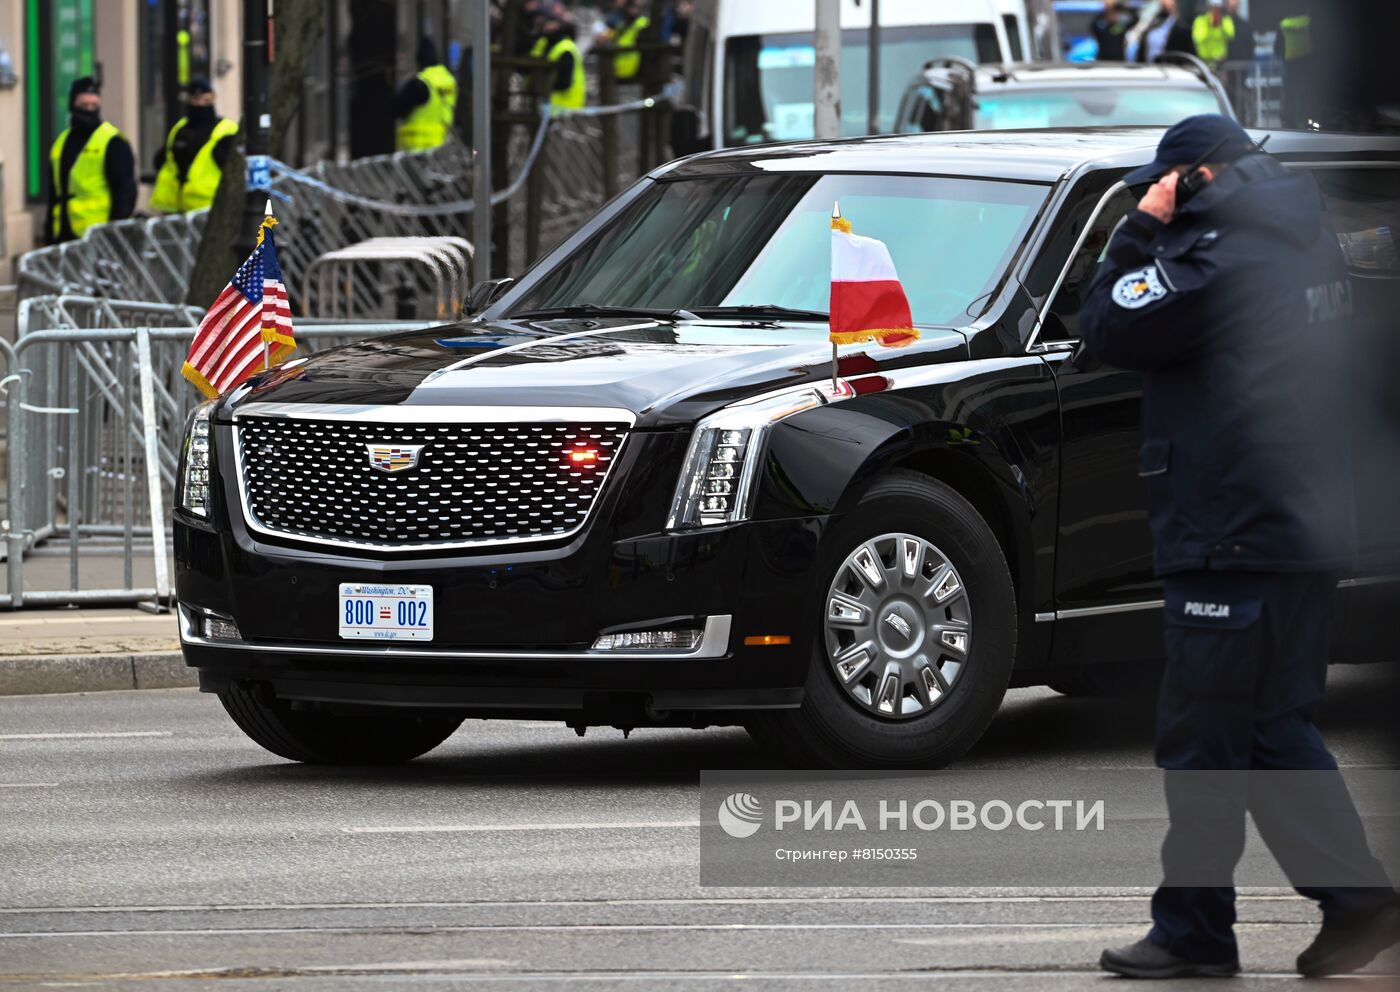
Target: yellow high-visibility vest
<point>1297,37</point>
<point>540,48</point>
<point>576,96</point>
<point>89,197</point>
<point>201,181</point>
<point>429,123</point>
<point>1213,40</point>
<point>628,64</point>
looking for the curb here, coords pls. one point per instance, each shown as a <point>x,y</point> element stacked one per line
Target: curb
<point>25,675</point>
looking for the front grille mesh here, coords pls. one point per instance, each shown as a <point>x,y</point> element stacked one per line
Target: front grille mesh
<point>474,483</point>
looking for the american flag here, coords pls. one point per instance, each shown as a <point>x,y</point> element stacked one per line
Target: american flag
<point>251,312</point>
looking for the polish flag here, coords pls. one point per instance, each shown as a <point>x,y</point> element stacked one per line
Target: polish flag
<point>867,300</point>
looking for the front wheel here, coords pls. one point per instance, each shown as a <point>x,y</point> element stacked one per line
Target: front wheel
<point>318,737</point>
<point>917,635</point>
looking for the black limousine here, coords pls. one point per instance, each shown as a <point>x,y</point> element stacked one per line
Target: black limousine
<point>628,491</point>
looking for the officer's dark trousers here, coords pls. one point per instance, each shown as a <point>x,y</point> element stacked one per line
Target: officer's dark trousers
<point>1246,667</point>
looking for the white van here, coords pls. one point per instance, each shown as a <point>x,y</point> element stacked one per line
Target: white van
<point>749,63</point>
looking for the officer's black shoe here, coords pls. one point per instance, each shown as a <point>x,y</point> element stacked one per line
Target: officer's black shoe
<point>1350,943</point>
<point>1148,960</point>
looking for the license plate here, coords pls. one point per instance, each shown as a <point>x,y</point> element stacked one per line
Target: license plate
<point>389,613</point>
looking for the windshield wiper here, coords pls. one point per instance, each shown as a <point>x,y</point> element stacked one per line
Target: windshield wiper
<point>600,310</point>
<point>769,311</point>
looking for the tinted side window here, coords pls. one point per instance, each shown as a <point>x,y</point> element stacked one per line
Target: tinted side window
<point>1053,254</point>
<point>1070,298</point>
<point>1013,36</point>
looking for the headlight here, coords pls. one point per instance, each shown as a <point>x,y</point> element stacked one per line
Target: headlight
<point>194,483</point>
<point>717,483</point>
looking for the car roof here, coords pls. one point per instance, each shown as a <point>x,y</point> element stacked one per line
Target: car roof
<point>1025,156</point>
<point>1081,74</point>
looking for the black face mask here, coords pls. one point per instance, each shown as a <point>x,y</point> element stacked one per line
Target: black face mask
<point>200,115</point>
<point>85,118</point>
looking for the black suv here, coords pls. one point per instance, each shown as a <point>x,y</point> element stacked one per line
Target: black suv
<point>630,493</point>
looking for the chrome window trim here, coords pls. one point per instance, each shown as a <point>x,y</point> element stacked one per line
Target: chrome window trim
<point>1044,311</point>
<point>714,643</point>
<point>421,415</point>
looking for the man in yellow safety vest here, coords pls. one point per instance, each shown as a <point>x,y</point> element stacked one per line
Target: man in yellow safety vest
<point>427,103</point>
<point>191,163</point>
<point>570,89</point>
<point>92,169</point>
<point>1213,33</point>
<point>631,21</point>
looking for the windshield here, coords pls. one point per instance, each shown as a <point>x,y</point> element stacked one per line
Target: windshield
<point>768,78</point>
<point>760,240</point>
<point>1092,106</point>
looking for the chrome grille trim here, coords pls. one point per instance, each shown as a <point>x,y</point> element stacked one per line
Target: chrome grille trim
<point>535,431</point>
<point>432,414</point>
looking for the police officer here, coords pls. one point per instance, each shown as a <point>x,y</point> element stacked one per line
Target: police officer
<point>92,169</point>
<point>191,162</point>
<point>427,103</point>
<point>1232,302</point>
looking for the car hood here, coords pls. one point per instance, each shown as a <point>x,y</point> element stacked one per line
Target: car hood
<point>667,373</point>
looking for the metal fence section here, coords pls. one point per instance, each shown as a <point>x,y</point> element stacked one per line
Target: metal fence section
<point>431,274</point>
<point>94,419</point>
<point>563,169</point>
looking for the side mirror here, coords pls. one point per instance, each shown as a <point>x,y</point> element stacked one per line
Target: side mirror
<point>685,131</point>
<point>486,292</point>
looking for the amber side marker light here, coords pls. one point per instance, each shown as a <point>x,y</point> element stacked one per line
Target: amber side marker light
<point>766,640</point>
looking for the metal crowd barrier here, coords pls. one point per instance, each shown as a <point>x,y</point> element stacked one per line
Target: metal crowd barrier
<point>574,162</point>
<point>95,419</point>
<point>351,281</point>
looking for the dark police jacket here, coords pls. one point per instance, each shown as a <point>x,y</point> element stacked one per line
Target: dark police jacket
<point>1237,313</point>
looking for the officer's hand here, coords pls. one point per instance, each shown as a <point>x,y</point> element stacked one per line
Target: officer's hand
<point>1160,201</point>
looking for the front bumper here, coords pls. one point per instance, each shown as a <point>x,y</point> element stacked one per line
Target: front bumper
<point>514,634</point>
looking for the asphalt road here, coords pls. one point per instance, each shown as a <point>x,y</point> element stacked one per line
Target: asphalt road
<point>145,844</point>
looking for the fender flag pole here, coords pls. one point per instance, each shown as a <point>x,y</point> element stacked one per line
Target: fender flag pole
<point>868,302</point>
<point>250,321</point>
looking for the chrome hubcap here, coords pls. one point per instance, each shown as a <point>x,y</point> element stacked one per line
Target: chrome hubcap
<point>898,626</point>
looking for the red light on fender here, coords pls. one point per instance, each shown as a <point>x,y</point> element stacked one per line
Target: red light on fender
<point>582,456</point>
<point>766,640</point>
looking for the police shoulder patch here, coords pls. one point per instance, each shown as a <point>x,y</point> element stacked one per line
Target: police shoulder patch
<point>1137,289</point>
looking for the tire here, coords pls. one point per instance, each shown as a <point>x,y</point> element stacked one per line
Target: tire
<point>837,726</point>
<point>1111,681</point>
<point>320,738</point>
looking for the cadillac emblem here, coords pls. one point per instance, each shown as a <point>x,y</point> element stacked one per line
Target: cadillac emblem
<point>393,457</point>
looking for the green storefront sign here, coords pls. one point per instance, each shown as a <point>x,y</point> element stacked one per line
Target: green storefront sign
<point>58,49</point>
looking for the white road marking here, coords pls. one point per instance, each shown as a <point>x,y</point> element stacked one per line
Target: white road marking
<point>585,927</point>
<point>1281,896</point>
<point>481,828</point>
<point>85,737</point>
<point>920,979</point>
